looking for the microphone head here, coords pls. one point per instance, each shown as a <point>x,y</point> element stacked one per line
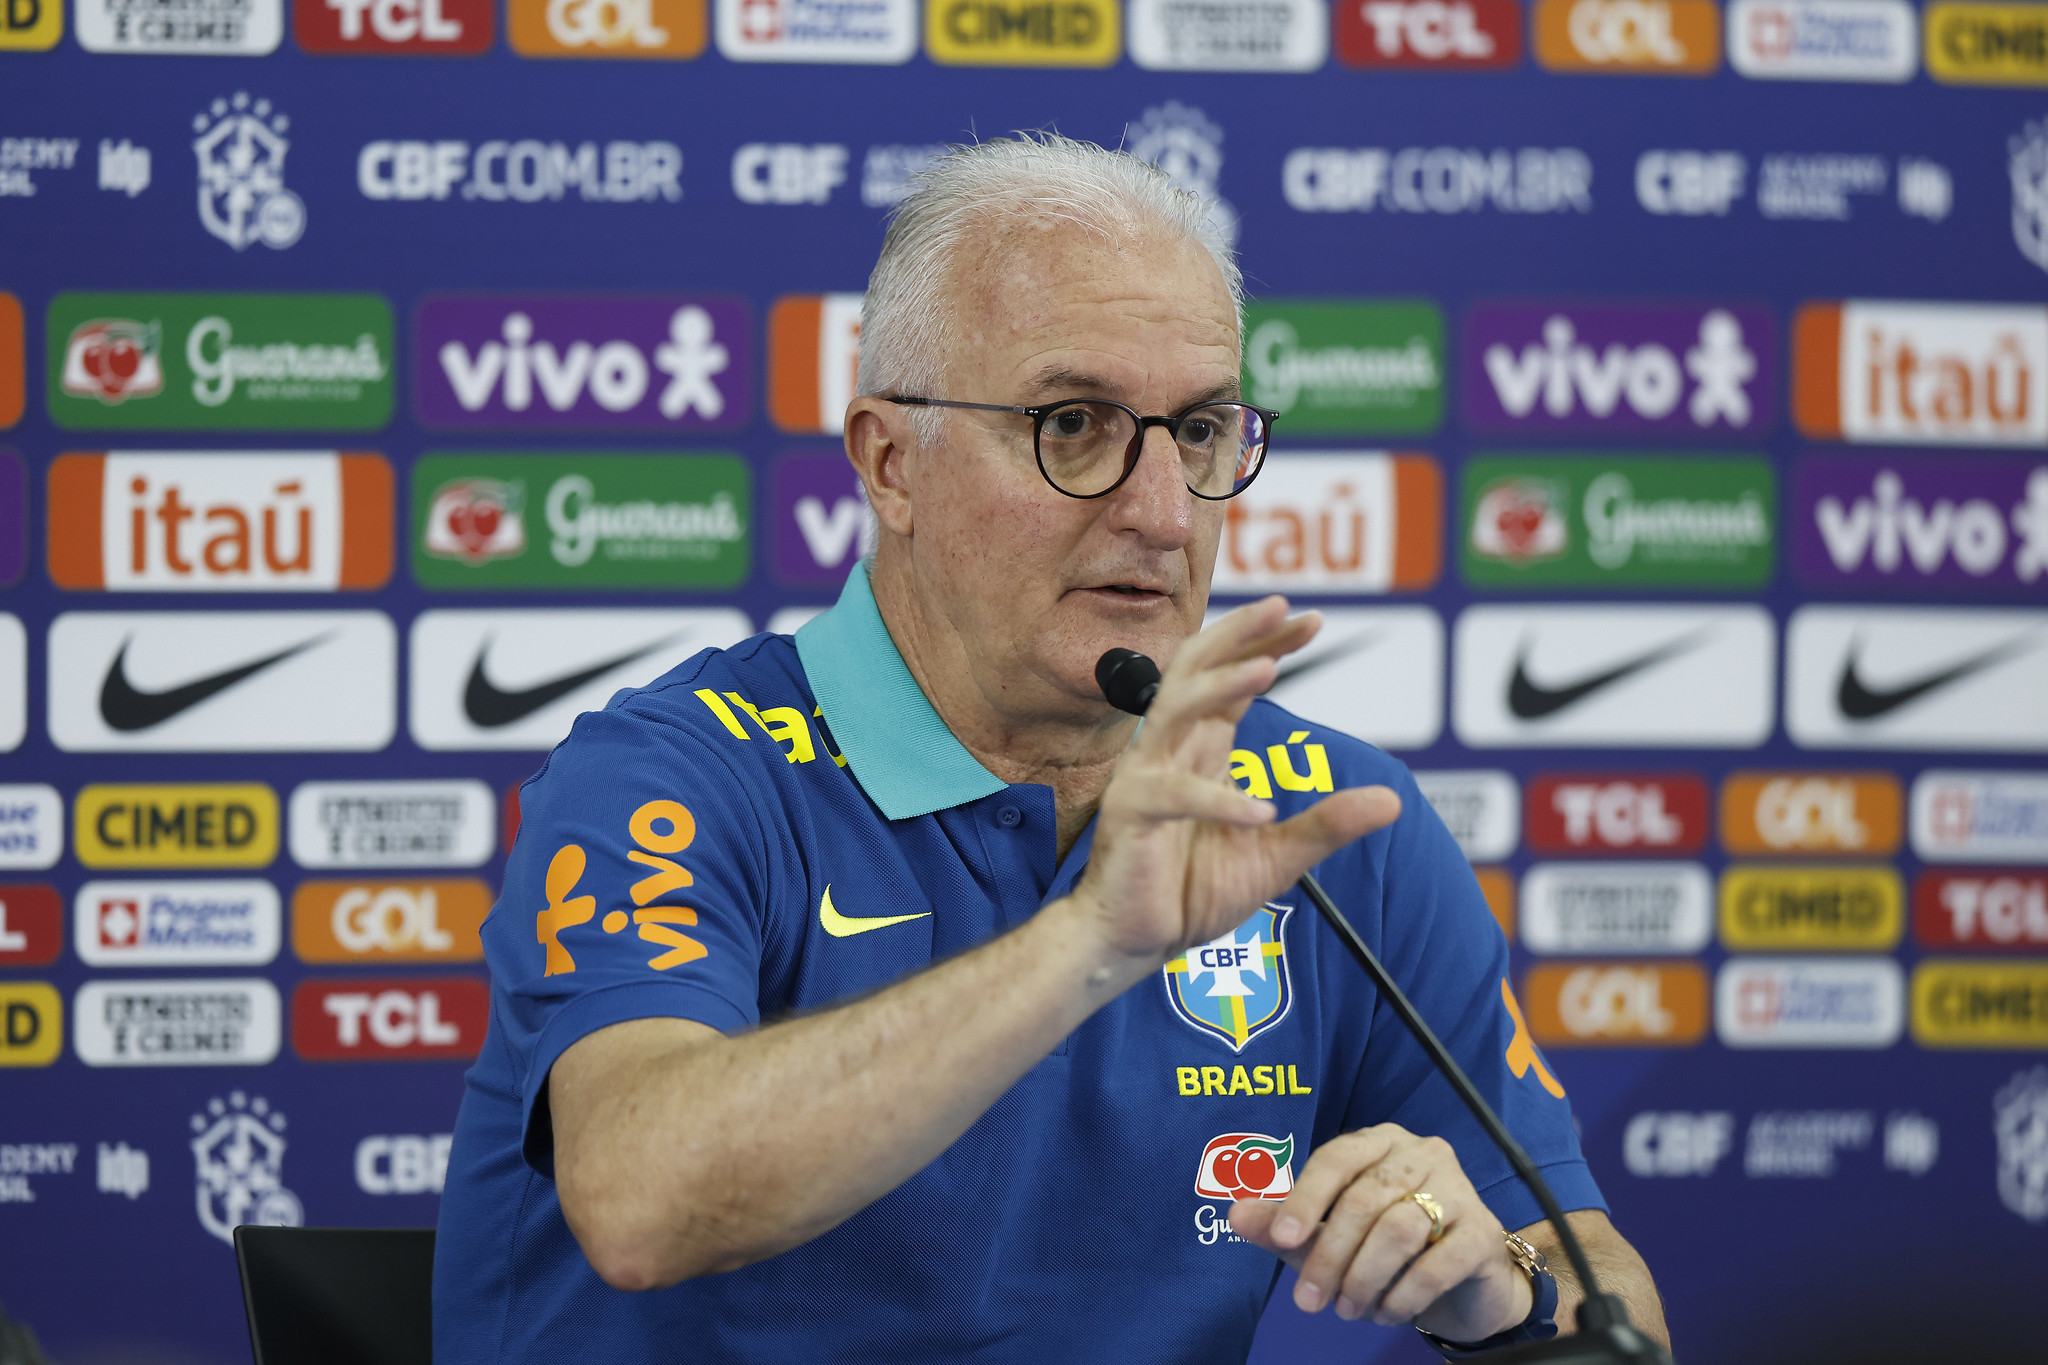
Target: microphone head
<point>1128,680</point>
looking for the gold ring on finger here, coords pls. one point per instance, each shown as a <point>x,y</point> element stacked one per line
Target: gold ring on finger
<point>1427,1203</point>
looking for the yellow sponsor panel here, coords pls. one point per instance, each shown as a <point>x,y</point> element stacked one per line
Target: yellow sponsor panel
<point>30,26</point>
<point>1998,1004</point>
<point>1849,908</point>
<point>31,1023</point>
<point>1988,44</point>
<point>1023,32</point>
<point>171,824</point>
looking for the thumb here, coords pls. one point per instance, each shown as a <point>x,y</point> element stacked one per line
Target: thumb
<point>1252,1219</point>
<point>1301,842</point>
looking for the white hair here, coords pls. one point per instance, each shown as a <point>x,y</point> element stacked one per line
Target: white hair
<point>906,323</point>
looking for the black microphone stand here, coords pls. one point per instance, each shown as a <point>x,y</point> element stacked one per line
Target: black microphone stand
<point>1129,681</point>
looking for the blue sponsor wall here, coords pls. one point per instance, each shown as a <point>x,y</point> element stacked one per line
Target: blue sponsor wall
<point>1836,1148</point>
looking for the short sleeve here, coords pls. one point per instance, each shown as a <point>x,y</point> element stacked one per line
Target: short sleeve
<point>1442,944</point>
<point>637,889</point>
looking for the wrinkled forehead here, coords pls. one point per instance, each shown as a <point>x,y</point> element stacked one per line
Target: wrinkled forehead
<point>1137,297</point>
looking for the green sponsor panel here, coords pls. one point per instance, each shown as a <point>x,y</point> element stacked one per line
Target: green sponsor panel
<point>220,362</point>
<point>577,520</point>
<point>1617,521</point>
<point>1354,368</point>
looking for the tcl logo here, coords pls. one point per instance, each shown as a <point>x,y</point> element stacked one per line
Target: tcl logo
<point>1636,1003</point>
<point>1643,37</point>
<point>443,1017</point>
<point>1595,814</point>
<point>1676,1144</point>
<point>31,925</point>
<point>406,1163</point>
<point>1812,813</point>
<point>1457,33</point>
<point>442,27</point>
<point>1981,910</point>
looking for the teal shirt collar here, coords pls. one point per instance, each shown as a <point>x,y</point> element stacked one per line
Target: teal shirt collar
<point>893,741</point>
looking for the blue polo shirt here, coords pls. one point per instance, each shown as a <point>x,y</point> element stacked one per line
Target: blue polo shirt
<point>788,824</point>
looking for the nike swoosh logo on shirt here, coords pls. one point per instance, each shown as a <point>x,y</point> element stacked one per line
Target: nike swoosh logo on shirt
<point>1530,700</point>
<point>127,708</point>
<point>1859,701</point>
<point>489,706</point>
<point>845,926</point>
<point>1302,667</point>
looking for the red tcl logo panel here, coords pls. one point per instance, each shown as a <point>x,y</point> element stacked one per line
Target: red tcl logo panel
<point>1981,909</point>
<point>427,27</point>
<point>1616,813</point>
<point>1461,33</point>
<point>31,925</point>
<point>378,1020</point>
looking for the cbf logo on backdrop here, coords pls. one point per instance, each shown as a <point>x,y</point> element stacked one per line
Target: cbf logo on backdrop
<point>242,195</point>
<point>2029,167</point>
<point>1236,986</point>
<point>238,1147</point>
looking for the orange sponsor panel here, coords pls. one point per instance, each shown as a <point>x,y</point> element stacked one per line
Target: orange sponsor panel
<point>1817,371</point>
<point>1418,504</point>
<point>370,920</point>
<point>1805,812</point>
<point>1617,1004</point>
<point>1629,37</point>
<point>671,29</point>
<point>13,375</point>
<point>1498,886</point>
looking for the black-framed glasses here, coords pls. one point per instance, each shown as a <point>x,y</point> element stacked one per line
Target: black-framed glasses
<point>1087,447</point>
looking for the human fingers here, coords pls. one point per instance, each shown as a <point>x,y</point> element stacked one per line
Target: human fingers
<point>1190,698</point>
<point>1157,794</point>
<point>1470,1247</point>
<point>1224,640</point>
<point>1369,1188</point>
<point>1290,635</point>
<point>1402,1228</point>
<point>1300,842</point>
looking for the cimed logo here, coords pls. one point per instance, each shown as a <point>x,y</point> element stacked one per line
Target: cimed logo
<point>238,1147</point>
<point>242,196</point>
<point>1235,986</point>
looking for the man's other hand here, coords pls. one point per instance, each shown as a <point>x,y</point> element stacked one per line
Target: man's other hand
<point>1357,1239</point>
<point>1182,855</point>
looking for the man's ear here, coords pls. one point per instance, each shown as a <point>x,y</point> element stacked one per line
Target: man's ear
<point>879,441</point>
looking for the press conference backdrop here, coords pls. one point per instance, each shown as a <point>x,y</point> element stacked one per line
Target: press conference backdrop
<point>1664,432</point>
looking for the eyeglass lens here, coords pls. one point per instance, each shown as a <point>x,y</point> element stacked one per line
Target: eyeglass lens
<point>1087,447</point>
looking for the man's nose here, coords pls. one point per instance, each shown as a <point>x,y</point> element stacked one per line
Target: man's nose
<point>1154,501</point>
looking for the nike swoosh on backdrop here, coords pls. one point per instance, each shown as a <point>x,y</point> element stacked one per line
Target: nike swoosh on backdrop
<point>489,706</point>
<point>1358,644</point>
<point>845,926</point>
<point>127,708</point>
<point>1859,701</point>
<point>1530,700</point>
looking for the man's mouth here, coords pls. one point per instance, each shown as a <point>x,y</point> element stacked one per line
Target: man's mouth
<point>1131,592</point>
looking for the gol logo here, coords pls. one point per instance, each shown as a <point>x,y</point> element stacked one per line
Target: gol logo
<point>1023,32</point>
<point>197,523</point>
<point>1664,814</point>
<point>386,1020</point>
<point>31,925</point>
<point>1981,910</point>
<point>1981,1004</point>
<point>1434,33</point>
<point>1653,1004</point>
<point>31,1023</point>
<point>13,381</point>
<point>31,25</point>
<point>813,360</point>
<point>152,824</point>
<point>672,29</point>
<point>353,922</point>
<point>1969,44</point>
<point>1811,907</point>
<point>1812,813</point>
<point>1246,1166</point>
<point>1638,37</point>
<point>382,27</point>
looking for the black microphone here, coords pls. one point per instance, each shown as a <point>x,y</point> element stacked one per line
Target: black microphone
<point>1129,682</point>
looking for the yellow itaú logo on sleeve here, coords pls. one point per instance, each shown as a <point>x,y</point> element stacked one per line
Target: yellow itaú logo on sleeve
<point>1023,32</point>
<point>846,926</point>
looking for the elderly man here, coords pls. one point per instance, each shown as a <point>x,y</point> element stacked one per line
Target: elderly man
<point>883,994</point>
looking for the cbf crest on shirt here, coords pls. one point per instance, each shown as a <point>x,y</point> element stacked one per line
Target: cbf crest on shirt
<point>1236,986</point>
